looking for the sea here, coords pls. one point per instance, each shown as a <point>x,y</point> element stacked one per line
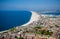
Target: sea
<point>10,19</point>
<point>50,13</point>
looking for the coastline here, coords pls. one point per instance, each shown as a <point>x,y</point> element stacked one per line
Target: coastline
<point>34,17</point>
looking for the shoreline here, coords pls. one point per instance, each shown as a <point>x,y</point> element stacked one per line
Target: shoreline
<point>34,17</point>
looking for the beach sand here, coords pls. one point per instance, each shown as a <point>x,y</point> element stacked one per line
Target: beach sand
<point>34,17</point>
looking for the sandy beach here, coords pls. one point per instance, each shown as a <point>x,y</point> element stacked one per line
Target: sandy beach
<point>34,17</point>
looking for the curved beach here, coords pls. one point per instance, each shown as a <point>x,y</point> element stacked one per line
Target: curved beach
<point>34,17</point>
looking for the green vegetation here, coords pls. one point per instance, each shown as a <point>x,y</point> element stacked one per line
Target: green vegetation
<point>47,32</point>
<point>37,27</point>
<point>5,32</point>
<point>43,32</point>
<point>13,29</point>
<point>27,31</point>
<point>38,30</point>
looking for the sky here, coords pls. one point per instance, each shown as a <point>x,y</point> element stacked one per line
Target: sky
<point>29,4</point>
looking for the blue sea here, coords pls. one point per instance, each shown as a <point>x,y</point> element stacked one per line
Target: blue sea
<point>51,13</point>
<point>10,19</point>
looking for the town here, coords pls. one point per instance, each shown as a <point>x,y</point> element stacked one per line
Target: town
<point>44,28</point>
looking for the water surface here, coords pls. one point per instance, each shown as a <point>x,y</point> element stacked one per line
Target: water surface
<point>10,19</point>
